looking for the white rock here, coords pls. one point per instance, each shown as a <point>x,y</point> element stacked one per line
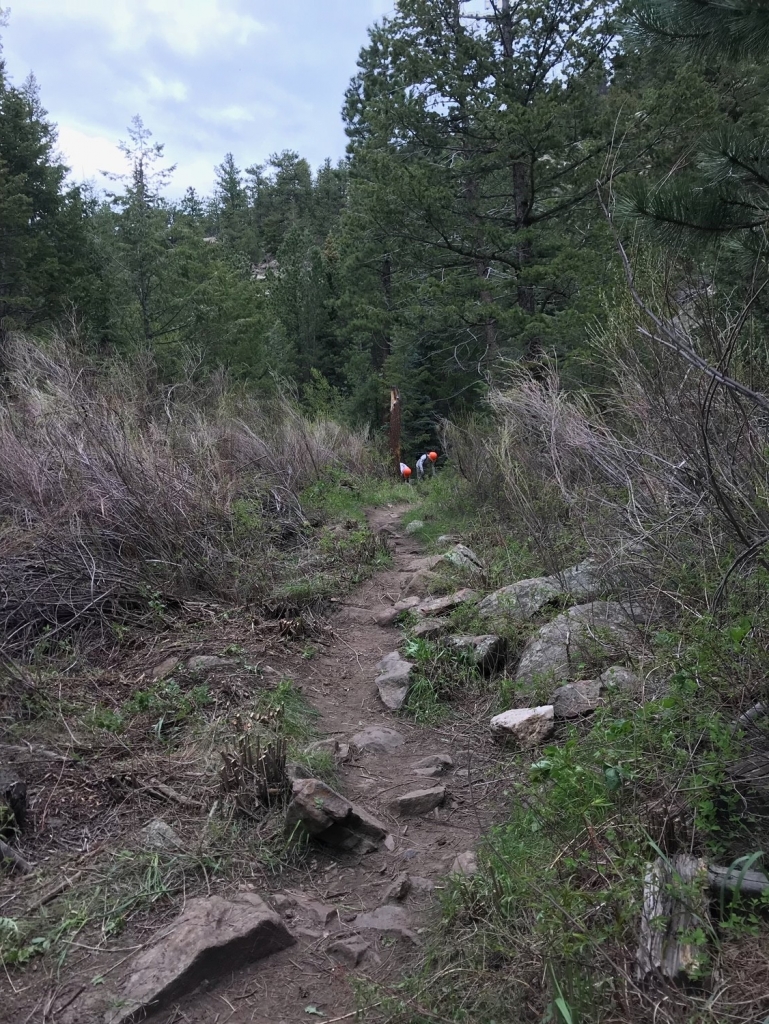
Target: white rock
<point>526,727</point>
<point>415,526</point>
<point>378,738</point>
<point>393,681</point>
<point>464,558</point>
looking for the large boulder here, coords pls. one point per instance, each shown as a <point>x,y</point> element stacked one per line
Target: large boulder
<point>572,700</point>
<point>523,727</point>
<point>520,601</point>
<point>211,938</point>
<point>487,652</point>
<point>324,814</point>
<point>582,582</point>
<point>559,650</point>
<point>394,680</point>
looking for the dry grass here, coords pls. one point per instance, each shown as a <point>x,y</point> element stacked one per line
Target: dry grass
<point>121,499</point>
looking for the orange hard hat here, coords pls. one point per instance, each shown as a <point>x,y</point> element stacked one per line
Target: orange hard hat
<point>432,456</point>
<point>407,471</point>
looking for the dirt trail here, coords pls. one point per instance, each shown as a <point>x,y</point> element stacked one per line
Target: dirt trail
<point>339,683</point>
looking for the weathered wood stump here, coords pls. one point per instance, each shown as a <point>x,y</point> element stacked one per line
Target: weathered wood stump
<point>673,920</point>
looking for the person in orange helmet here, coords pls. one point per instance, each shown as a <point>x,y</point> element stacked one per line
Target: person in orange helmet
<point>422,462</point>
<point>406,472</point>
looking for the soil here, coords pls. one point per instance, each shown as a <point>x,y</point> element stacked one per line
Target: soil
<point>307,981</point>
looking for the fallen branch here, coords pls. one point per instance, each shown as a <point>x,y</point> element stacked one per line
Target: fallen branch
<point>749,883</point>
<point>17,862</point>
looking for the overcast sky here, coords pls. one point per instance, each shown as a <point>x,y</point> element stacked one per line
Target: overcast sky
<point>207,76</point>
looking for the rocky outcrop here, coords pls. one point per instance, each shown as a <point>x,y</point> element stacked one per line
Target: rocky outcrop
<point>324,814</point>
<point>393,680</point>
<point>488,652</point>
<point>559,650</point>
<point>572,700</point>
<point>520,601</point>
<point>210,938</point>
<point>523,727</point>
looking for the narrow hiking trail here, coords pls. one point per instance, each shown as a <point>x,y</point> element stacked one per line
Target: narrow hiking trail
<point>323,902</point>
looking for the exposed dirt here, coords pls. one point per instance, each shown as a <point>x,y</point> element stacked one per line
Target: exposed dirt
<point>290,987</point>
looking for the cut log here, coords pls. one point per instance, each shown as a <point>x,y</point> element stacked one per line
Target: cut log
<point>675,908</point>
<point>748,883</point>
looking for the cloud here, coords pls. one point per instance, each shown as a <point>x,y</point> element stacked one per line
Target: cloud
<point>187,27</point>
<point>89,154</point>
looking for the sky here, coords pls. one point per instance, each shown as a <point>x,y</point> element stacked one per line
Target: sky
<point>251,77</point>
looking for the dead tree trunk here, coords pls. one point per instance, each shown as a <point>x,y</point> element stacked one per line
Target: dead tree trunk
<point>674,915</point>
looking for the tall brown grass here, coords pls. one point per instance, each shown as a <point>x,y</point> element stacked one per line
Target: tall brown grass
<point>121,498</point>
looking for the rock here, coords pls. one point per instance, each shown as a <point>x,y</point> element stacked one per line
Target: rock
<point>465,864</point>
<point>206,662</point>
<point>211,937</point>
<point>386,919</point>
<point>520,601</point>
<point>559,649</point>
<point>526,727</point>
<point>440,761</point>
<point>623,678</point>
<point>400,888</point>
<point>390,843</point>
<point>321,913</point>
<point>387,616</point>
<point>377,738</point>
<point>428,773</point>
<point>488,652</point>
<point>419,801</point>
<point>296,771</point>
<point>575,699</point>
<point>393,680</point>
<point>464,558</point>
<point>419,884</point>
<point>329,744</point>
<point>415,526</point>
<point>324,814</point>
<point>430,629</point>
<point>582,582</point>
<point>349,951</point>
<point>165,668</point>
<point>438,605</point>
<point>447,538</point>
<point>158,835</point>
<point>342,752</point>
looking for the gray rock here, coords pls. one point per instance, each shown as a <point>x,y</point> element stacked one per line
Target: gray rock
<point>419,801</point>
<point>165,668</point>
<point>158,835</point>
<point>623,678</point>
<point>349,951</point>
<point>329,744</point>
<point>447,538</point>
<point>524,727</point>
<point>388,918</point>
<point>520,601</point>
<point>575,699</point>
<point>211,938</point>
<point>419,884</point>
<point>464,558</point>
<point>377,738</point>
<point>206,662</point>
<point>325,815</point>
<point>428,773</point>
<point>465,864</point>
<point>415,526</point>
<point>583,582</point>
<point>400,888</point>
<point>296,771</point>
<point>422,583</point>
<point>488,651</point>
<point>440,761</point>
<point>387,616</point>
<point>430,629</point>
<point>438,605</point>
<point>393,681</point>
<point>558,650</point>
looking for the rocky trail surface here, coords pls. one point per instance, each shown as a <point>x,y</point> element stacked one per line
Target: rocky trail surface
<point>407,812</point>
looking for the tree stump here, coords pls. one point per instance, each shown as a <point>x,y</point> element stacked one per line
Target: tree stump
<point>674,920</point>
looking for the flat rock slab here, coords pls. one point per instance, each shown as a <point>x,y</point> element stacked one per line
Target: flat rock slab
<point>207,663</point>
<point>389,918</point>
<point>576,699</point>
<point>523,727</point>
<point>210,938</point>
<point>519,601</point>
<point>387,616</point>
<point>325,815</point>
<point>488,652</point>
<point>439,605</point>
<point>442,762</point>
<point>394,680</point>
<point>557,651</point>
<point>419,801</point>
<point>379,738</point>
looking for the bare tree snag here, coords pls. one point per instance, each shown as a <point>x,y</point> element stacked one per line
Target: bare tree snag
<point>395,427</point>
<point>675,909</point>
